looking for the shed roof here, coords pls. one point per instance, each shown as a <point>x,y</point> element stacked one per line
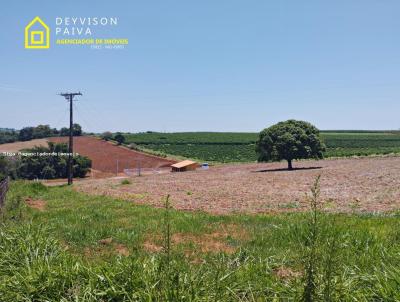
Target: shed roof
<point>184,163</point>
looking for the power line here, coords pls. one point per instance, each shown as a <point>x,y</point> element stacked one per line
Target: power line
<point>70,98</point>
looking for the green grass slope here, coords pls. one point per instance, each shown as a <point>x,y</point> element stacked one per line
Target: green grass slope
<point>59,253</point>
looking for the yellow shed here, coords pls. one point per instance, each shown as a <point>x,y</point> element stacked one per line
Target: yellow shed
<point>186,165</point>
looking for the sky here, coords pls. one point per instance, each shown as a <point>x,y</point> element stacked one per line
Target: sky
<point>207,65</point>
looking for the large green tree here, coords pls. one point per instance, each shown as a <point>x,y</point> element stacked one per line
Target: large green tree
<point>290,140</point>
<point>42,131</point>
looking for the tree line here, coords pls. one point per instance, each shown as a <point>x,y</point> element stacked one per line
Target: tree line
<point>40,131</point>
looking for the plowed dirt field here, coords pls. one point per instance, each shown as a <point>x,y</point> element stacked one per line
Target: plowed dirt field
<point>356,184</point>
<point>109,158</point>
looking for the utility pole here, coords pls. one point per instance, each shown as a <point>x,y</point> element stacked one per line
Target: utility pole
<point>70,98</point>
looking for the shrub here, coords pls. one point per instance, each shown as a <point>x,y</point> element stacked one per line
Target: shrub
<point>125,182</point>
<point>133,146</point>
<point>119,138</point>
<point>106,136</point>
<point>7,167</point>
<point>81,166</point>
<point>26,134</point>
<point>51,166</point>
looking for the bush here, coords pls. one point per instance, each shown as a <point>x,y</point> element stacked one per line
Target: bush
<point>133,146</point>
<point>50,166</point>
<point>76,130</point>
<point>3,168</point>
<point>119,138</point>
<point>7,168</point>
<point>26,134</point>
<point>106,136</point>
<point>81,166</point>
<point>48,172</point>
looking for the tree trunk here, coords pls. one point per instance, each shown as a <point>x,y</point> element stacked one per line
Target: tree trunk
<point>290,167</point>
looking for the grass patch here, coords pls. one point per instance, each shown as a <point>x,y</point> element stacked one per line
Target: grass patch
<point>88,248</point>
<point>126,182</point>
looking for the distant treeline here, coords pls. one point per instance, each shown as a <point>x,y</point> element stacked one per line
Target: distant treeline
<point>40,131</point>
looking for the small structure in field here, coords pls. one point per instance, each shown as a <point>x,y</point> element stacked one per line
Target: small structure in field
<point>205,166</point>
<point>186,165</point>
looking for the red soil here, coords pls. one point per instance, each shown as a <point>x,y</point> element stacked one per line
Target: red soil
<point>109,158</point>
<point>36,204</point>
<point>347,185</point>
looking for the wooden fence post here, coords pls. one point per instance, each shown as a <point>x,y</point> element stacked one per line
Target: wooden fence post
<point>4,184</point>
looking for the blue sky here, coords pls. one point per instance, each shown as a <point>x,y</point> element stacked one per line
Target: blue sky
<point>222,65</point>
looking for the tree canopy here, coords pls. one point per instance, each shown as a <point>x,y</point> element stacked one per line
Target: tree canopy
<point>45,163</point>
<point>119,138</point>
<point>107,135</point>
<point>40,131</point>
<point>289,140</point>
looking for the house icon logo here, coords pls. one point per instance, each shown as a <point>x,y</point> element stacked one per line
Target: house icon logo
<point>37,34</point>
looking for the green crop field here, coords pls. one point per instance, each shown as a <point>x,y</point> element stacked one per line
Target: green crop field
<point>75,247</point>
<point>240,147</point>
